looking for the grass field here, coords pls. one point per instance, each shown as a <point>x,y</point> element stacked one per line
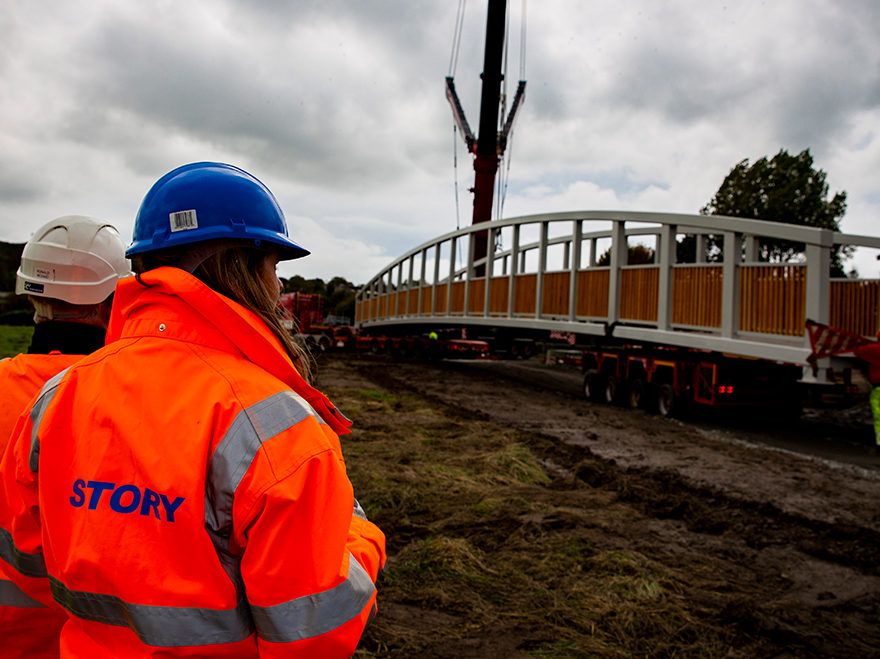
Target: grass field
<point>14,340</point>
<point>491,554</point>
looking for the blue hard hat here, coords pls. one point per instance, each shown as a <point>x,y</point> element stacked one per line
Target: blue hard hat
<point>207,201</point>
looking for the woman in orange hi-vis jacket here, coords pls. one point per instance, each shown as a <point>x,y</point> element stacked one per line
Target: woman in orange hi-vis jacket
<point>183,489</point>
<point>68,271</point>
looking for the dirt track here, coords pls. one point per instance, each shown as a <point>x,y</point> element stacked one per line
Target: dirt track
<point>792,538</point>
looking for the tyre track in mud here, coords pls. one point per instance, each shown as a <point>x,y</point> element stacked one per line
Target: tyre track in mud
<point>805,573</point>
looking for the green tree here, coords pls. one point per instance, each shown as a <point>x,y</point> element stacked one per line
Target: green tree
<point>636,255</point>
<point>787,189</point>
<point>339,293</point>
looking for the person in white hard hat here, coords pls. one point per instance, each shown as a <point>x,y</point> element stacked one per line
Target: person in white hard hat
<point>69,271</point>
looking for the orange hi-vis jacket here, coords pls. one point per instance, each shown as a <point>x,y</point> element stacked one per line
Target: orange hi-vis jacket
<point>28,629</point>
<point>184,491</point>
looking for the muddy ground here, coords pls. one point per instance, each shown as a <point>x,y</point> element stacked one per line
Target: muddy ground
<point>767,529</point>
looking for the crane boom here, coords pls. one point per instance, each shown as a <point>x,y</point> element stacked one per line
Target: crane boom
<point>489,145</point>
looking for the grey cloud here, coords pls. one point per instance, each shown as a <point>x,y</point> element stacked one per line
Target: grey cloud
<point>319,125</point>
<point>17,186</point>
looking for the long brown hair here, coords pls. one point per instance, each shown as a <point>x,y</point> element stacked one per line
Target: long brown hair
<point>234,270</point>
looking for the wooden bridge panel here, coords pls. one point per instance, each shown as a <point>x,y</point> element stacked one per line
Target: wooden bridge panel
<point>499,290</point>
<point>525,290</point>
<point>854,306</point>
<point>457,302</point>
<point>477,293</point>
<point>696,296</point>
<point>638,294</point>
<point>773,299</point>
<point>555,294</point>
<point>592,293</point>
<point>440,302</point>
<point>412,305</point>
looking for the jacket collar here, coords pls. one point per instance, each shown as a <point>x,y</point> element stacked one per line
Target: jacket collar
<point>67,337</point>
<point>220,322</point>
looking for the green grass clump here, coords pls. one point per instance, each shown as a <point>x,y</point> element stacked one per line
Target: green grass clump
<point>14,340</point>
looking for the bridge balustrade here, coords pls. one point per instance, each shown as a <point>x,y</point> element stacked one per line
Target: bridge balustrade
<point>564,280</point>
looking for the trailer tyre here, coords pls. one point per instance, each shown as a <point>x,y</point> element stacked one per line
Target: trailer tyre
<point>666,402</point>
<point>636,394</point>
<point>324,343</point>
<point>374,347</point>
<point>611,389</point>
<point>591,385</point>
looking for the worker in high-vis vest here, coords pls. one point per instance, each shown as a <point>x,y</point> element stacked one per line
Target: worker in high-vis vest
<point>183,489</point>
<point>870,352</point>
<point>68,271</point>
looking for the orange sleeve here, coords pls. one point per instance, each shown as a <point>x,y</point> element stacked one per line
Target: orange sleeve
<point>309,571</point>
<point>21,544</point>
<point>367,543</point>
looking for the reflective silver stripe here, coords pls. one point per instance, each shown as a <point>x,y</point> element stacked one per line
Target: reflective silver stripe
<point>313,615</point>
<point>358,511</point>
<point>160,626</point>
<point>238,448</point>
<point>12,595</point>
<point>231,460</point>
<point>37,411</point>
<point>30,565</point>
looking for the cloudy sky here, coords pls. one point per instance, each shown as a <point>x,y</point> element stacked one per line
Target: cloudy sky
<point>339,107</point>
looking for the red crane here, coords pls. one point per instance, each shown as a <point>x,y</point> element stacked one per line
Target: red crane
<point>489,146</point>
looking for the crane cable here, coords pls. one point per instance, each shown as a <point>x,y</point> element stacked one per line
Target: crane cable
<point>453,65</point>
<point>504,172</point>
<point>456,38</point>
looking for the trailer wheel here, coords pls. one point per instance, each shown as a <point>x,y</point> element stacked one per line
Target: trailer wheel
<point>611,389</point>
<point>374,347</point>
<point>636,393</point>
<point>666,402</point>
<point>324,343</point>
<point>591,384</point>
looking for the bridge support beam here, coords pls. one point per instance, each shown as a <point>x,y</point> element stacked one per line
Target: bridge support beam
<point>577,239</point>
<point>818,267</point>
<point>666,252</point>
<point>542,266</point>
<point>453,244</point>
<point>422,280</point>
<point>511,286</point>
<point>730,290</point>
<point>490,271</point>
<point>436,279</point>
<point>618,260</point>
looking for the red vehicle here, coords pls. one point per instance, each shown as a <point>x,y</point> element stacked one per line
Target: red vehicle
<point>663,379</point>
<point>306,308</point>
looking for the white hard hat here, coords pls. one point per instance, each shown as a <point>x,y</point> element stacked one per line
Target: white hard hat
<point>73,258</point>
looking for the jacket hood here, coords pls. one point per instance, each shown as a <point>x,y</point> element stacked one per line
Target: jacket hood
<point>253,339</point>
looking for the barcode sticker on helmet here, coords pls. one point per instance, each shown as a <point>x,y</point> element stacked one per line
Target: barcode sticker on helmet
<point>183,220</point>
